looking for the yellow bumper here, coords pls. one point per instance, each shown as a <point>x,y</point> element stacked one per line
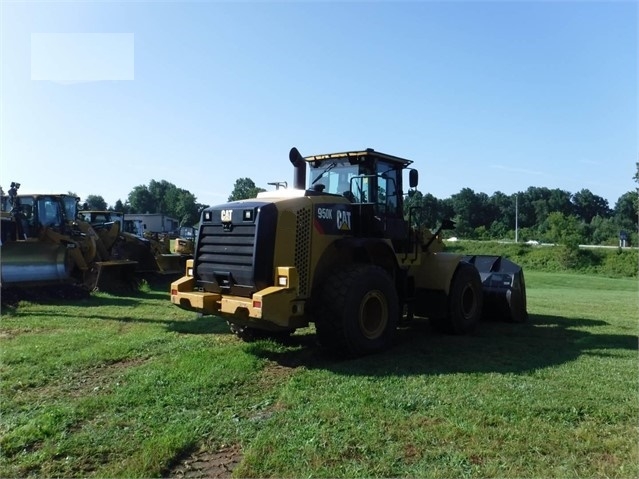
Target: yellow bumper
<point>274,304</point>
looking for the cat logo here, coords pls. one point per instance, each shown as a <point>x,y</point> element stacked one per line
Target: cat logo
<point>333,220</point>
<point>343,220</point>
<point>226,216</point>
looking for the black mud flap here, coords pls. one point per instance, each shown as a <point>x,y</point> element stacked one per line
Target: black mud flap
<point>504,288</point>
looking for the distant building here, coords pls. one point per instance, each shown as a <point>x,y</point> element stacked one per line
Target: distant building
<point>154,222</point>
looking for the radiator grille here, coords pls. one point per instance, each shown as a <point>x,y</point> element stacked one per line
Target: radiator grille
<point>302,248</point>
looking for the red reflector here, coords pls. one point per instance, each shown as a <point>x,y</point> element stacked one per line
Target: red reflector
<point>173,292</point>
<point>257,304</point>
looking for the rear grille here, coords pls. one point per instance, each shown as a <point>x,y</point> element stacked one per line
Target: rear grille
<point>238,259</point>
<point>224,252</point>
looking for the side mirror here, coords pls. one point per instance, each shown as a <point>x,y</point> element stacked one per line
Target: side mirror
<point>413,178</point>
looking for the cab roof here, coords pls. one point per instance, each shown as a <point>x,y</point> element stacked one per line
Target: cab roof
<point>357,155</point>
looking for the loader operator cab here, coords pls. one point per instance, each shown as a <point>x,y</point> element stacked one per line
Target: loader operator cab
<point>71,206</point>
<point>370,180</point>
<point>37,212</point>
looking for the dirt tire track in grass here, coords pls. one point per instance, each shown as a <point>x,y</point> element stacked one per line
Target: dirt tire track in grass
<point>100,377</point>
<point>205,464</point>
<point>221,463</point>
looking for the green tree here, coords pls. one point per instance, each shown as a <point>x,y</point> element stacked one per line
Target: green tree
<point>504,214</point>
<point>121,207</point>
<point>430,211</point>
<point>160,192</point>
<point>472,210</point>
<point>602,231</point>
<point>526,206</point>
<point>559,200</point>
<point>414,201</point>
<point>183,205</point>
<point>95,202</point>
<point>625,212</point>
<point>588,205</point>
<point>164,197</point>
<point>244,188</point>
<point>564,229</point>
<point>142,201</point>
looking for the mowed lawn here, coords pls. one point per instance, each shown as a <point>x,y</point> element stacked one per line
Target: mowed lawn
<point>131,386</point>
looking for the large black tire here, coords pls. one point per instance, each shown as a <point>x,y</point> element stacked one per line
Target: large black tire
<point>465,301</point>
<point>357,310</point>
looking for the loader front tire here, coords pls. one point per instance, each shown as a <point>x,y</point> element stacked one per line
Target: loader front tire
<point>465,302</point>
<point>357,311</point>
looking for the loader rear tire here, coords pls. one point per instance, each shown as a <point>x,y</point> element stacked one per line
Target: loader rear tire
<point>465,302</point>
<point>357,311</point>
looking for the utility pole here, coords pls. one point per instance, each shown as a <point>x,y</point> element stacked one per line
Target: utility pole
<point>516,217</point>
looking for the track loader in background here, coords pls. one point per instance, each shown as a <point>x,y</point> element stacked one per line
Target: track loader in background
<point>340,253</point>
<point>43,243</point>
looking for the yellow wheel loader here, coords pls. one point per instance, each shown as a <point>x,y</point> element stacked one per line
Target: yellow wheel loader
<point>150,251</point>
<point>340,253</point>
<point>184,242</point>
<point>43,244</point>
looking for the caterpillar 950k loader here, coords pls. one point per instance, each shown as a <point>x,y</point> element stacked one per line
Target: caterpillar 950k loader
<point>44,243</point>
<point>340,253</point>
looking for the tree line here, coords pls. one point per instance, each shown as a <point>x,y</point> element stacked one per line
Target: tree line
<point>160,197</point>
<point>539,213</point>
<point>163,197</point>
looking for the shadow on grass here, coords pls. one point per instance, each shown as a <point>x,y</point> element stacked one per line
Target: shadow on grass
<point>200,325</point>
<point>69,296</point>
<point>197,325</point>
<point>146,287</point>
<point>496,347</point>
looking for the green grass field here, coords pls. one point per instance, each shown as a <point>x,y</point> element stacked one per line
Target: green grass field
<point>133,386</point>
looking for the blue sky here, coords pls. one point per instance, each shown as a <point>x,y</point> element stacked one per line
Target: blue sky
<point>493,96</point>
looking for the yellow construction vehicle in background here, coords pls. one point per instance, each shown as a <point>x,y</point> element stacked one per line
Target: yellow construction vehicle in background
<point>184,241</point>
<point>44,243</point>
<point>340,253</point>
<point>150,251</point>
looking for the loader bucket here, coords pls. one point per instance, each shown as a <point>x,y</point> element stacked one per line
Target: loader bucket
<point>31,262</point>
<point>116,276</point>
<point>171,263</point>
<point>504,288</point>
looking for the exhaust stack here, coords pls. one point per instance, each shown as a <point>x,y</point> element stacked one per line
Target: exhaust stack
<point>299,178</point>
